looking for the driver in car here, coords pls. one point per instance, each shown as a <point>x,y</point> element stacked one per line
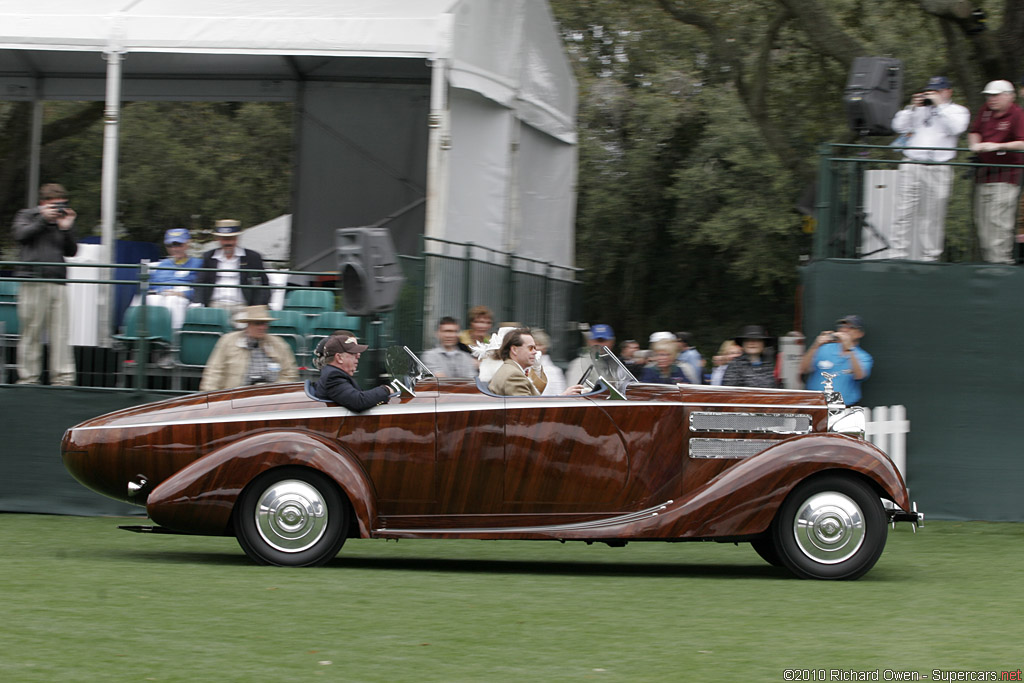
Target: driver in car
<point>338,357</point>
<point>518,352</point>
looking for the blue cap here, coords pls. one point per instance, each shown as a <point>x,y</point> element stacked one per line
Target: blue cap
<point>601,331</point>
<point>179,235</point>
<point>851,321</point>
<point>937,83</point>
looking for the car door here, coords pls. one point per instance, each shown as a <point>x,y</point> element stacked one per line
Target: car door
<point>563,454</point>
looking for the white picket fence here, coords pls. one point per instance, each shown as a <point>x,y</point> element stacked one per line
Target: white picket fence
<point>887,428</point>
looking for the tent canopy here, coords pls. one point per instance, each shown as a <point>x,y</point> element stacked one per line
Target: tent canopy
<point>438,119</point>
<point>505,50</point>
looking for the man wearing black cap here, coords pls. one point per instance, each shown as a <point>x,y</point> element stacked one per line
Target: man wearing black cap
<point>838,352</point>
<point>930,120</point>
<point>337,382</point>
<point>229,259</point>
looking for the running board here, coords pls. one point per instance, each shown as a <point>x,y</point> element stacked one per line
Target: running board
<point>143,529</point>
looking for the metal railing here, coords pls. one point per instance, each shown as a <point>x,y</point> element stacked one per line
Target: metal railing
<point>527,290</point>
<point>856,197</point>
<point>517,289</point>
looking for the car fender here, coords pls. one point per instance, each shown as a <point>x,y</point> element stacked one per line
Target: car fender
<point>744,499</point>
<point>200,497</point>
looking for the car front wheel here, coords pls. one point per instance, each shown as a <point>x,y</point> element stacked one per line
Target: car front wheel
<point>291,517</point>
<point>830,527</point>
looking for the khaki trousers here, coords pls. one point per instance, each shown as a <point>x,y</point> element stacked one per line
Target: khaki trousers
<point>42,312</point>
<point>921,210</point>
<point>995,214</point>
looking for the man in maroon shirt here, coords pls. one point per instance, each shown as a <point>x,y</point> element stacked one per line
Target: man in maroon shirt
<point>996,130</point>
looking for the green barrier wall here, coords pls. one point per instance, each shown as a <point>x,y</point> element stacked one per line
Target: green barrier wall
<point>945,339</point>
<point>32,475</point>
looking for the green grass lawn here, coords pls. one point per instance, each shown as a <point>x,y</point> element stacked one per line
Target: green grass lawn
<point>82,600</point>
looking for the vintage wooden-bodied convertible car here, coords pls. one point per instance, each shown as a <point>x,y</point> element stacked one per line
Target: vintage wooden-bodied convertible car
<point>292,476</point>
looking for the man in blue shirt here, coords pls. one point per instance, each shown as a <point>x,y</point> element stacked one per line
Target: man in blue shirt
<point>838,352</point>
<point>170,284</point>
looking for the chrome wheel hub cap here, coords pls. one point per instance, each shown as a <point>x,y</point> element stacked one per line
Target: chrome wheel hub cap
<point>829,527</point>
<point>291,516</point>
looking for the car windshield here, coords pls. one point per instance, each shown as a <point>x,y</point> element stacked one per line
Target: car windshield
<point>607,368</point>
<point>403,365</point>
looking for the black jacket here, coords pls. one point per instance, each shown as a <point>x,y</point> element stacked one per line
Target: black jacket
<point>742,373</point>
<point>43,242</point>
<point>248,260</point>
<point>337,385</point>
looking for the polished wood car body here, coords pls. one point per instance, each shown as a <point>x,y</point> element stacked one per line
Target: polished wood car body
<point>448,460</point>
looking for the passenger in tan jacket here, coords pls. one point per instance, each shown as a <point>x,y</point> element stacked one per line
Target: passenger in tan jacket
<point>519,351</point>
<point>249,356</point>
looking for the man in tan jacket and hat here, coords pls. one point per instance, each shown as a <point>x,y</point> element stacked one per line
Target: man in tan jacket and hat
<point>249,356</point>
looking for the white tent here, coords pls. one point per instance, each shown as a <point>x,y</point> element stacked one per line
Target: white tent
<point>450,119</point>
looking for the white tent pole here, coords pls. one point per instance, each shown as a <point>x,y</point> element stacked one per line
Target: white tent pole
<point>34,150</point>
<point>438,141</point>
<point>438,144</point>
<point>108,191</point>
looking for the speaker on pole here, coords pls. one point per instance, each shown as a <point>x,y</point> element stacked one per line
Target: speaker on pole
<point>873,94</point>
<point>371,277</point>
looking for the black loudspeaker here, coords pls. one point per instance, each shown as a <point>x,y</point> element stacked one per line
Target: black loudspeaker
<point>371,276</point>
<point>873,94</point>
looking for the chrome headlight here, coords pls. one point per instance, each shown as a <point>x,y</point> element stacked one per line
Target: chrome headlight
<point>849,421</point>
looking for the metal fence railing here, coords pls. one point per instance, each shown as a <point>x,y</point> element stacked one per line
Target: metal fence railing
<point>517,289</point>
<point>856,197</point>
<point>140,349</point>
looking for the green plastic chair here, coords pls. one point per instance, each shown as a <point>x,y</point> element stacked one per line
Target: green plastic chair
<point>207,319</point>
<point>322,325</point>
<point>9,291</point>
<point>309,301</point>
<point>290,326</point>
<point>158,325</point>
<point>9,318</point>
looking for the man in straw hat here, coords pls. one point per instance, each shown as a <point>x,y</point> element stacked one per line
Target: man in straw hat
<point>228,259</point>
<point>249,356</point>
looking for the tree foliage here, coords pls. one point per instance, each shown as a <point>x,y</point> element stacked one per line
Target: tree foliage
<point>699,123</point>
<point>698,127</point>
<point>181,164</point>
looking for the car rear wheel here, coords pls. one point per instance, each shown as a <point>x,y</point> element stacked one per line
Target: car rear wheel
<point>830,527</point>
<point>291,517</point>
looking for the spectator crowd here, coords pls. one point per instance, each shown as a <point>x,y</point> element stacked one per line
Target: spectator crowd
<point>930,127</point>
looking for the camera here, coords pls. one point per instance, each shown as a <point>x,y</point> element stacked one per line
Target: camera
<point>833,338</point>
<point>61,207</point>
<point>927,102</point>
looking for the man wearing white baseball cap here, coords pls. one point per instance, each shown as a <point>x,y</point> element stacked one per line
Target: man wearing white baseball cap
<point>997,135</point>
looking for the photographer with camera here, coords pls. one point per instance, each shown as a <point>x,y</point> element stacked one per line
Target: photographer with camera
<point>45,235</point>
<point>838,352</point>
<point>249,356</point>
<point>930,120</point>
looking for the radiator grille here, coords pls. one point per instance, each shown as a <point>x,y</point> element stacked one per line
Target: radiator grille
<point>766,423</point>
<point>728,448</point>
